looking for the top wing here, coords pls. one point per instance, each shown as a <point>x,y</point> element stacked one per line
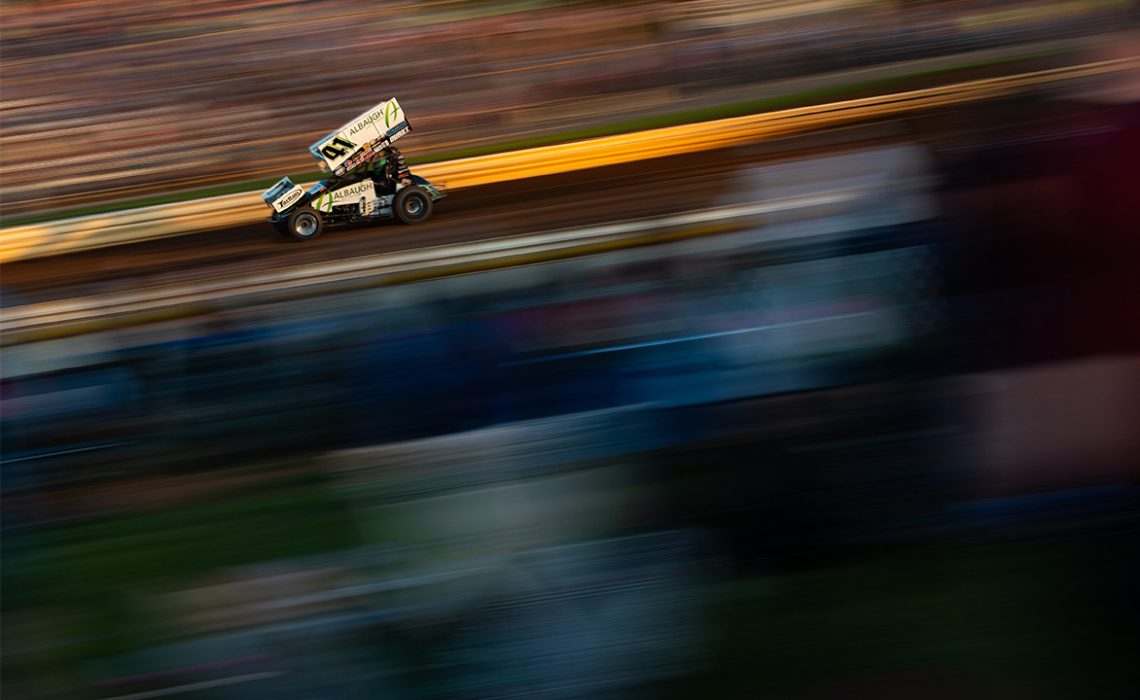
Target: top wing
<point>360,139</point>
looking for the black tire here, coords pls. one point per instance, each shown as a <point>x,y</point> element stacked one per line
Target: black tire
<point>281,227</point>
<point>305,224</point>
<point>412,205</point>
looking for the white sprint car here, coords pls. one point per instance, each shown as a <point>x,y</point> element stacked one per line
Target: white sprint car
<point>368,179</point>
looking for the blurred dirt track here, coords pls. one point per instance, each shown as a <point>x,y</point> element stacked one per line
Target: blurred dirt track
<point>642,189</point>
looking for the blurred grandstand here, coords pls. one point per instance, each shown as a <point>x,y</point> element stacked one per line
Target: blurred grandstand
<point>873,449</point>
<point>109,100</point>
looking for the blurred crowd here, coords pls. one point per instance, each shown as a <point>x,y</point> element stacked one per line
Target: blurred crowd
<point>107,100</point>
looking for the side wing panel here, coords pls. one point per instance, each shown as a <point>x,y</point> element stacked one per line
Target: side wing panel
<point>360,139</point>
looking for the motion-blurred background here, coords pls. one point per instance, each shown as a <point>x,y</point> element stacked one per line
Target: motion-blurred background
<point>108,99</point>
<point>869,428</point>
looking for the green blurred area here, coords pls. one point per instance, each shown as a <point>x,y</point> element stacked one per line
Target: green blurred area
<point>998,619</point>
<point>965,618</point>
<point>86,575</point>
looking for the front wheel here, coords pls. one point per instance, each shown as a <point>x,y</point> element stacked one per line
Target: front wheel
<point>412,205</point>
<point>305,224</point>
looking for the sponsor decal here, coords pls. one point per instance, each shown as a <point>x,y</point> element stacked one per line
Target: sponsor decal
<point>358,159</point>
<point>353,190</point>
<point>350,194</point>
<point>387,112</point>
<point>288,199</point>
<point>392,112</point>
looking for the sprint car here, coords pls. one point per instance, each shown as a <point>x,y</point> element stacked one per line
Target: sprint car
<point>368,179</point>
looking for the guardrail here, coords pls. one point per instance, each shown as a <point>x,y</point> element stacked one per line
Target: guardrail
<point>80,315</point>
<point>137,225</point>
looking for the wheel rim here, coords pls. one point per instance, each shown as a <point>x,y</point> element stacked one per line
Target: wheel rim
<point>306,225</point>
<point>413,206</point>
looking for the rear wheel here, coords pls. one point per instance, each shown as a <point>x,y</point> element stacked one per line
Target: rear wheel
<point>305,224</point>
<point>412,205</point>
